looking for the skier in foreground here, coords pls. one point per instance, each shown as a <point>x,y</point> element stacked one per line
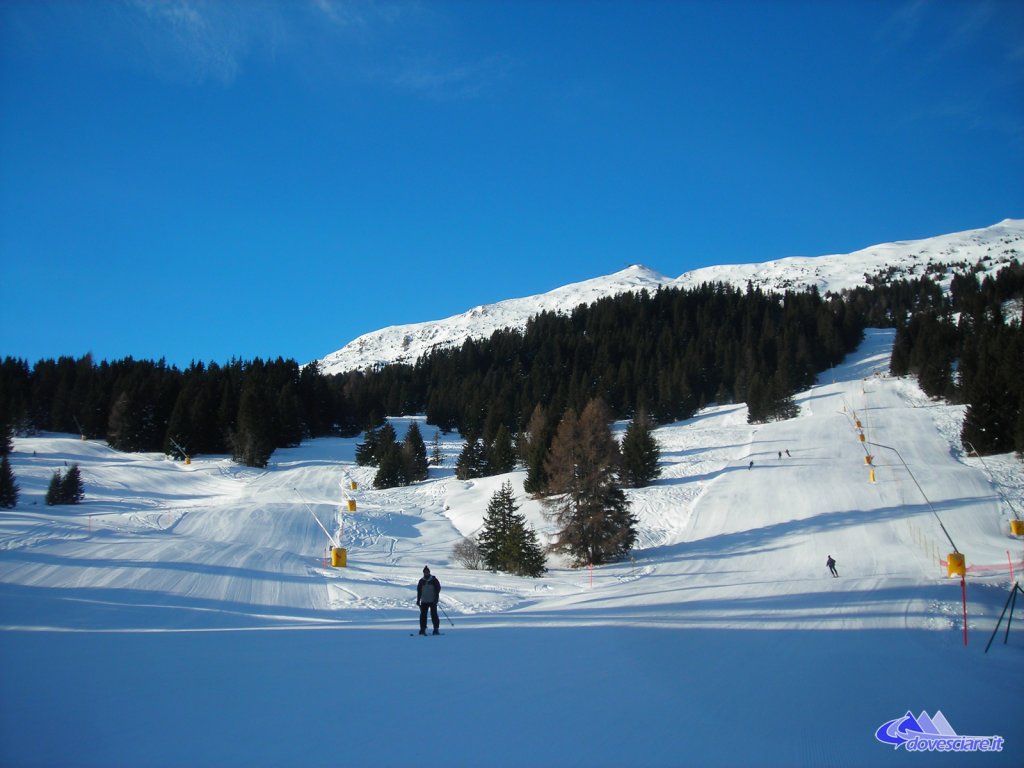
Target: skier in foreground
<point>427,593</point>
<point>831,563</point>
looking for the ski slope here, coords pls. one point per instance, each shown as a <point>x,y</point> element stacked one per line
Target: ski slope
<point>184,614</point>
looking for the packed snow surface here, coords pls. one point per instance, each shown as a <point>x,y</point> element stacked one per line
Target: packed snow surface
<point>992,247</point>
<point>185,615</point>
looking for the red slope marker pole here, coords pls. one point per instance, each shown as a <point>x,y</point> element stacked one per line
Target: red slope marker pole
<point>963,588</point>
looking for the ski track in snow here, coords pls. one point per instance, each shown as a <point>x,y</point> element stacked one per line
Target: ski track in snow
<point>713,526</point>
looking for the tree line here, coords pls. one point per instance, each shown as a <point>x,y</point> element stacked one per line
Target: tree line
<point>665,353</point>
<point>967,347</point>
<point>246,409</point>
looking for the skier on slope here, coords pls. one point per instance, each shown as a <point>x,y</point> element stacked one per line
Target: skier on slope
<point>831,563</point>
<point>428,590</point>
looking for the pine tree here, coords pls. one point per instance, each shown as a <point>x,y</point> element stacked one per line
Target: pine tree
<point>991,415</point>
<point>55,490</point>
<point>71,490</point>
<point>288,417</point>
<point>506,542</point>
<point>390,467</point>
<point>640,453</point>
<point>252,442</point>
<point>6,438</point>
<point>414,455</point>
<point>8,486</point>
<point>472,461</point>
<point>584,498</point>
<point>534,446</point>
<point>436,456</point>
<point>122,426</point>
<point>501,456</point>
<point>1018,434</point>
<point>366,451</point>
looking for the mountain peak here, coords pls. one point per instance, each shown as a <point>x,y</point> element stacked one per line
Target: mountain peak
<point>996,245</point>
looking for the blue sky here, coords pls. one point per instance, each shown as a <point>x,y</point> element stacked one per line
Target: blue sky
<point>208,180</point>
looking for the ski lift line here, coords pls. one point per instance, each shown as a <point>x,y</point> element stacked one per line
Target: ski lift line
<point>923,494</point>
<point>181,450</point>
<point>851,415</point>
<point>867,410</point>
<point>992,477</point>
<point>306,505</point>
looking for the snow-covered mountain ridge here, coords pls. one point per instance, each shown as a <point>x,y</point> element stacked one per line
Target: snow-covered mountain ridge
<point>995,245</point>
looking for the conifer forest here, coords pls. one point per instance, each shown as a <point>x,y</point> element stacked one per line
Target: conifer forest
<point>663,354</point>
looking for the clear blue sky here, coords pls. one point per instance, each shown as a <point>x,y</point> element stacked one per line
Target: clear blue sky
<point>208,180</point>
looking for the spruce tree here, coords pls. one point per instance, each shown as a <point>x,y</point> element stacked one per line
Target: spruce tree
<point>377,442</point>
<point>414,455</point>
<point>390,467</point>
<point>472,461</point>
<point>122,424</point>
<point>8,486</point>
<point>991,416</point>
<point>534,446</point>
<point>583,495</point>
<point>640,453</point>
<point>55,490</point>
<point>366,451</point>
<point>1018,433</point>
<point>71,490</point>
<point>436,456</point>
<point>506,542</point>
<point>288,417</point>
<point>252,442</point>
<point>501,456</point>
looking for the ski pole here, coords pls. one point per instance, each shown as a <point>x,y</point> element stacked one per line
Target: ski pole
<point>446,614</point>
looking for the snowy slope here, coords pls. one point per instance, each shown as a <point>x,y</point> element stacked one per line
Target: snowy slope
<point>996,245</point>
<point>183,615</point>
<point>405,343</point>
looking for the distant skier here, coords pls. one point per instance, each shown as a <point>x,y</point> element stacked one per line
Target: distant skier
<point>831,563</point>
<point>751,464</point>
<point>787,453</point>
<point>427,593</point>
<point>780,454</point>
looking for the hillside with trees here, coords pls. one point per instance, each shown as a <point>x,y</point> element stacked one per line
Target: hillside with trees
<point>665,354</point>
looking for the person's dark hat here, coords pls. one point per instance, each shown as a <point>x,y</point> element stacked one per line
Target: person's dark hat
<point>425,569</point>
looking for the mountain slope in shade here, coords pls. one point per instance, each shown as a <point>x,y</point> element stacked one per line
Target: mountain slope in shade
<point>995,245</point>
